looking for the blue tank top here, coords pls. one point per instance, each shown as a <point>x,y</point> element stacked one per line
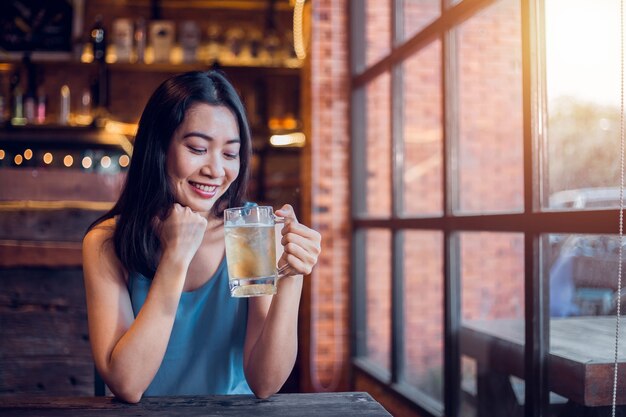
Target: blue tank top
<point>205,351</point>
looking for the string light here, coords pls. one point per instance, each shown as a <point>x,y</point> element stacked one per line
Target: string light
<point>28,154</point>
<point>18,159</point>
<point>124,161</point>
<point>86,162</point>
<point>105,162</point>
<point>68,160</point>
<point>2,154</point>
<point>47,158</point>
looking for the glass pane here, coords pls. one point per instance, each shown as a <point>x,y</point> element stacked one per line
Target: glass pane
<point>423,133</point>
<point>423,311</point>
<point>582,270</point>
<point>378,148</point>
<point>418,14</point>
<point>583,274</point>
<point>377,30</point>
<point>492,331</point>
<point>378,297</point>
<point>490,154</point>
<point>583,104</point>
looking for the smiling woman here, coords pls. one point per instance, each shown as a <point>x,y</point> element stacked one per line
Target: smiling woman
<point>161,319</point>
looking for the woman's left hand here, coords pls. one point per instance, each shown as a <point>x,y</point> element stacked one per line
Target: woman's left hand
<point>302,245</point>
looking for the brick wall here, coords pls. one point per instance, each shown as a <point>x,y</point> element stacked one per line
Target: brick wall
<point>491,158</point>
<point>378,147</point>
<point>378,296</point>
<point>423,310</point>
<point>377,30</point>
<point>423,132</point>
<point>490,110</point>
<point>324,345</point>
<point>492,275</point>
<point>417,14</point>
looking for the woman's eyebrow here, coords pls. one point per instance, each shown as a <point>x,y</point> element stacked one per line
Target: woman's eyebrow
<point>208,137</point>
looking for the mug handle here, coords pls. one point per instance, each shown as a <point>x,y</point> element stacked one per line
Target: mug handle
<point>283,271</point>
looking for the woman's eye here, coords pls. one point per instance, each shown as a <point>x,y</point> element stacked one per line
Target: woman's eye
<point>231,155</point>
<point>197,150</point>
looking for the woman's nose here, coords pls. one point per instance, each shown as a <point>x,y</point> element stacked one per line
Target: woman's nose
<point>214,167</point>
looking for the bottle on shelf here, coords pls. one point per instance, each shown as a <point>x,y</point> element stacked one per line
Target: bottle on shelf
<point>18,118</point>
<point>140,40</point>
<point>123,33</point>
<point>15,100</point>
<point>31,89</point>
<point>100,85</point>
<point>64,112</point>
<point>41,108</point>
<point>98,40</point>
<point>189,38</point>
<point>29,108</point>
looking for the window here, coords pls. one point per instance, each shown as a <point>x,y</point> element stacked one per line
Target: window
<point>485,192</point>
<point>489,167</point>
<point>582,98</point>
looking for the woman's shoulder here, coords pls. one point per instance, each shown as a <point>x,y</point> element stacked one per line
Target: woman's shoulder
<point>99,239</point>
<point>99,248</point>
<point>101,232</point>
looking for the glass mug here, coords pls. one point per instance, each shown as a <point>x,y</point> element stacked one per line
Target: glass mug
<point>251,250</point>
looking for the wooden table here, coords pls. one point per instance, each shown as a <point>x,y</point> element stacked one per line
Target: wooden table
<point>580,362</point>
<point>301,405</point>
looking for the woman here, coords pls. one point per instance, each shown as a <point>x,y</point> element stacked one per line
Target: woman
<point>161,319</point>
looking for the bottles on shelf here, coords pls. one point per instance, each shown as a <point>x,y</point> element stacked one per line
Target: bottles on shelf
<point>184,42</point>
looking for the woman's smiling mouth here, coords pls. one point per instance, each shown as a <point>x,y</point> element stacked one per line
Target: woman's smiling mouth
<point>204,190</point>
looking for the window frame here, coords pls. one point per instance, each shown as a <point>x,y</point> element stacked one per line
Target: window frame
<point>532,222</point>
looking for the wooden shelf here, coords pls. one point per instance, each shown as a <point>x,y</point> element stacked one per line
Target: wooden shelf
<point>159,67</point>
<point>167,67</point>
<point>62,136</point>
<point>40,254</point>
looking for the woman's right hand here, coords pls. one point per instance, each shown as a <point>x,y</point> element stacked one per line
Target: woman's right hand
<point>181,232</point>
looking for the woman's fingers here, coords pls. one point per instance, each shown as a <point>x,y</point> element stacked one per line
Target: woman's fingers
<point>306,256</point>
<point>302,245</point>
<point>298,265</point>
<point>291,241</point>
<point>303,236</point>
<point>300,252</point>
<point>287,213</point>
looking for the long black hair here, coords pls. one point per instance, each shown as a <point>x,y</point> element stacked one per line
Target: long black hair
<point>146,192</point>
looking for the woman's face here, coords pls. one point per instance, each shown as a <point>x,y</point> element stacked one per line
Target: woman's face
<point>203,157</point>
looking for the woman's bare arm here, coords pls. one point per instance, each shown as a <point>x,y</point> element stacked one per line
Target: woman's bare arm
<point>128,351</point>
<point>272,333</point>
